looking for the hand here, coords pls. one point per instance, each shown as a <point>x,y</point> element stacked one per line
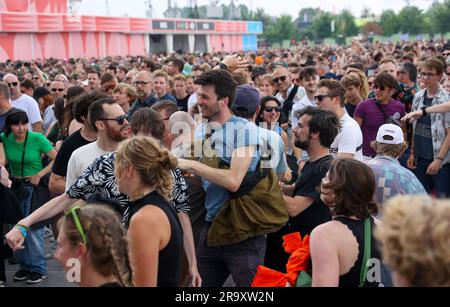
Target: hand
<point>434,167</point>
<point>34,180</point>
<point>15,239</point>
<point>193,279</point>
<point>4,178</point>
<point>235,62</point>
<point>411,163</point>
<point>287,190</point>
<point>286,176</point>
<point>412,116</point>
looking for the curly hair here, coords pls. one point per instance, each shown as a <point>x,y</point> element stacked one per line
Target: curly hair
<point>106,239</point>
<point>416,245</point>
<point>152,162</point>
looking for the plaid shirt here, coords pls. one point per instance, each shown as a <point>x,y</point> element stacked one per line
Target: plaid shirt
<point>439,121</point>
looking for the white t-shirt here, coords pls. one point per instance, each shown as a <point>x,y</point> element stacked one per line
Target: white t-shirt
<point>80,160</point>
<point>349,140</point>
<point>31,107</point>
<point>299,105</point>
<point>192,101</point>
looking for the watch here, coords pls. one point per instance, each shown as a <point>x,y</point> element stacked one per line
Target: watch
<point>424,111</point>
<point>223,66</point>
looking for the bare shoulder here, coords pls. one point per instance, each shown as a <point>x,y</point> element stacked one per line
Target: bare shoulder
<point>325,231</point>
<point>147,217</point>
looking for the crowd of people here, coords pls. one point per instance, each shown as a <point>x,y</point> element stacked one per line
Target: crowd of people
<point>184,170</point>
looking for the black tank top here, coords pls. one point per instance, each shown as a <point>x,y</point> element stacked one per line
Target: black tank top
<point>169,257</point>
<point>352,278</point>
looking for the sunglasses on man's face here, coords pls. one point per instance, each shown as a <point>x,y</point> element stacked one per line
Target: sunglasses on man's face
<point>13,84</point>
<point>320,98</point>
<point>60,90</point>
<point>282,79</point>
<point>380,88</point>
<point>271,109</point>
<point>120,120</point>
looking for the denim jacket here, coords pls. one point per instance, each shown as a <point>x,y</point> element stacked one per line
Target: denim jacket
<point>439,121</point>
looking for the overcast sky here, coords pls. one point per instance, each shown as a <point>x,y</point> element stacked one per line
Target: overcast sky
<point>137,8</point>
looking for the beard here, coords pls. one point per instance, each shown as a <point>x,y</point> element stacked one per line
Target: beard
<point>303,145</point>
<point>116,135</point>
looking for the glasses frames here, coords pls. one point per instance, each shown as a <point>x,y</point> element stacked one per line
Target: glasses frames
<point>282,79</point>
<point>270,110</point>
<point>120,120</point>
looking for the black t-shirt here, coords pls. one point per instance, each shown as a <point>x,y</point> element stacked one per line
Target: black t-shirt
<point>71,144</point>
<point>183,103</point>
<point>306,186</point>
<point>316,214</point>
<point>350,109</point>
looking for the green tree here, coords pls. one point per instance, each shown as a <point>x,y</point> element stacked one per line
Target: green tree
<point>282,29</point>
<point>308,14</point>
<point>321,26</point>
<point>389,22</point>
<point>411,20</point>
<point>345,24</point>
<point>439,17</point>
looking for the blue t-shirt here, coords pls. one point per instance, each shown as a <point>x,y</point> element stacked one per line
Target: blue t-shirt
<point>235,133</point>
<point>423,140</point>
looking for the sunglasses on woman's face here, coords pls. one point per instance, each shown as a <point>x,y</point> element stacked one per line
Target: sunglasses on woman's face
<point>271,109</point>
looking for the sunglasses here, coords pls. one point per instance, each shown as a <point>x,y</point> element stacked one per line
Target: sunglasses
<point>138,83</point>
<point>60,90</point>
<point>320,98</point>
<point>13,84</point>
<point>72,212</point>
<point>381,88</point>
<point>270,110</point>
<point>120,120</point>
<point>282,79</point>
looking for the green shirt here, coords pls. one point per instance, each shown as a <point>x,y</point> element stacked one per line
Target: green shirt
<point>36,145</point>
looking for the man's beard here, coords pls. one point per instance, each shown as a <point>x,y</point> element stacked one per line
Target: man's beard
<point>116,136</point>
<point>303,145</point>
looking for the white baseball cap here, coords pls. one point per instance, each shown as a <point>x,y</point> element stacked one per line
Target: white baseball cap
<point>390,134</point>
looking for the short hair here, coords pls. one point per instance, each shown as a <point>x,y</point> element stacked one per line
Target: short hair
<point>308,71</point>
<point>415,245</point>
<point>240,78</point>
<point>178,63</point>
<point>93,71</point>
<point>411,70</point>
<point>326,123</point>
<point>167,106</point>
<point>4,90</point>
<point>385,79</point>
<point>335,89</point>
<point>180,77</point>
<point>222,81</point>
<point>353,184</point>
<point>378,55</point>
<point>387,60</point>
<point>350,80</point>
<point>107,77</point>
<point>434,63</point>
<point>14,118</point>
<point>391,150</point>
<point>150,121</point>
<point>28,84</point>
<point>82,103</point>
<point>96,111</point>
<point>160,74</point>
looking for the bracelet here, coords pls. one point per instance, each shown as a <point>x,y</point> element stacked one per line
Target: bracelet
<point>223,66</point>
<point>424,111</point>
<point>439,158</point>
<point>23,229</point>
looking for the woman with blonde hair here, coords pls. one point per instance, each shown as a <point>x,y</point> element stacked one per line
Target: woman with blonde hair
<point>266,86</point>
<point>125,95</point>
<point>364,89</point>
<point>415,241</point>
<point>143,173</point>
<point>94,236</point>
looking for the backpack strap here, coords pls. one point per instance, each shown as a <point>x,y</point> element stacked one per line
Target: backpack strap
<point>367,251</point>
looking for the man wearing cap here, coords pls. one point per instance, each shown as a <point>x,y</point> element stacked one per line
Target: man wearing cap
<point>391,177</point>
<point>229,152</point>
<point>257,72</point>
<point>246,105</point>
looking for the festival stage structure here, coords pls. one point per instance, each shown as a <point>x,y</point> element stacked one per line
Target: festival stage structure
<point>31,29</point>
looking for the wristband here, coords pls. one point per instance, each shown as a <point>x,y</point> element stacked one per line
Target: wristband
<point>439,158</point>
<point>23,229</point>
<point>424,111</point>
<point>223,66</point>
